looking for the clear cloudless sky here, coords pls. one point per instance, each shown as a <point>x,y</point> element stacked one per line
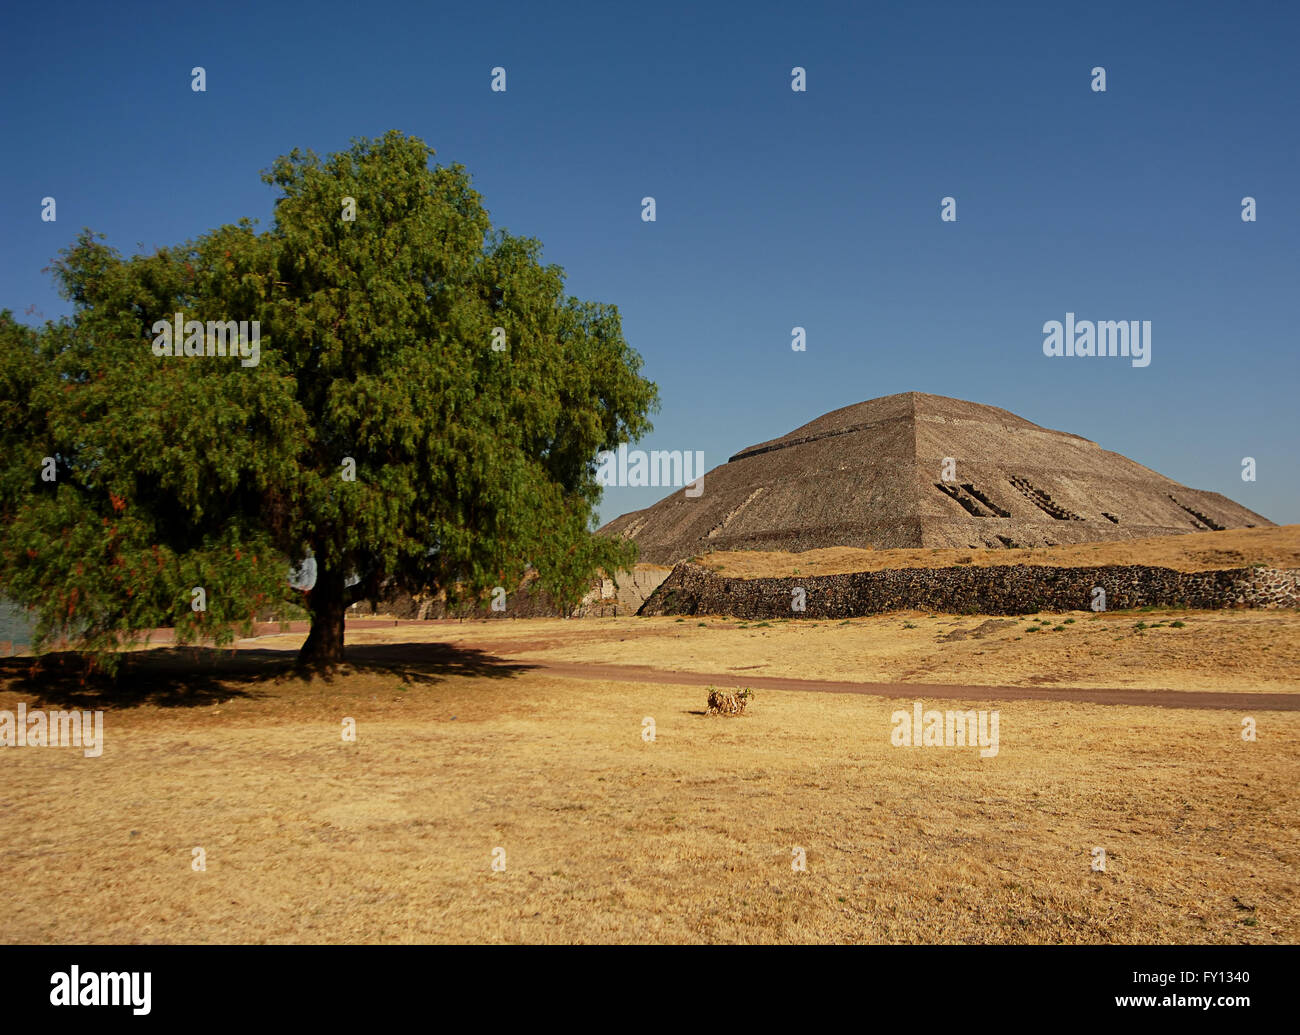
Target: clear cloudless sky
<point>775,209</point>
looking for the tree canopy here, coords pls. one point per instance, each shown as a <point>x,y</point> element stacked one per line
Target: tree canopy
<point>422,411</point>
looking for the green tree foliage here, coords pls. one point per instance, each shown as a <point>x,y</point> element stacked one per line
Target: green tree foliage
<point>472,464</point>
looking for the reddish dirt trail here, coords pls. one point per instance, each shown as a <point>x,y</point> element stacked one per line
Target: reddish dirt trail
<point>913,691</point>
<point>508,651</point>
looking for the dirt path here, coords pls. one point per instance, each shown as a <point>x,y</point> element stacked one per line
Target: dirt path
<point>515,651</point>
<point>911,691</point>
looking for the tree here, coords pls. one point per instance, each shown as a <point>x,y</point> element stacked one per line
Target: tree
<point>424,414</point>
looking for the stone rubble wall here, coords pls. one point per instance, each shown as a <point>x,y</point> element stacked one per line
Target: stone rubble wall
<point>609,598</point>
<point>1003,590</point>
<point>632,590</point>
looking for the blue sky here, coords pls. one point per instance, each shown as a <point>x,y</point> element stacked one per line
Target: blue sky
<point>774,208</point>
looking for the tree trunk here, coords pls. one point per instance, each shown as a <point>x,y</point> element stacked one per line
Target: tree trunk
<point>327,602</point>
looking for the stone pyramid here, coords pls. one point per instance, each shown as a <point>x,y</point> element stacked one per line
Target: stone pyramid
<point>875,475</point>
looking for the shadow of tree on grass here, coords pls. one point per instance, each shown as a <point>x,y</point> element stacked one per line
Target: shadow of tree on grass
<point>191,677</point>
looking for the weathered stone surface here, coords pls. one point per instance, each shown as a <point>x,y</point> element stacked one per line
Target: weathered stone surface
<point>622,595</point>
<point>871,475</point>
<point>610,597</point>
<point>1014,589</point>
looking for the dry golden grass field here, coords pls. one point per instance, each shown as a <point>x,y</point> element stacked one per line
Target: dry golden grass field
<point>466,744</point>
<point>1199,551</point>
<point>1222,651</point>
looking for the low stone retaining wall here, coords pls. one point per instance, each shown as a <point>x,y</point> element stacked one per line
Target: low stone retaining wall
<point>425,608</point>
<point>1009,590</point>
<point>607,598</point>
<point>622,595</point>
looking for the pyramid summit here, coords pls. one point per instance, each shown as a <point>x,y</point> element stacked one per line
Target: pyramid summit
<point>917,470</point>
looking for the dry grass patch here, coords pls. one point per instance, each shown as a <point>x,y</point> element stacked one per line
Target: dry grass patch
<point>1197,551</point>
<point>728,702</point>
<point>609,838</point>
<point>1227,651</point>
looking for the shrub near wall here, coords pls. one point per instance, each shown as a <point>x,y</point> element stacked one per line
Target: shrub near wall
<point>1010,590</point>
